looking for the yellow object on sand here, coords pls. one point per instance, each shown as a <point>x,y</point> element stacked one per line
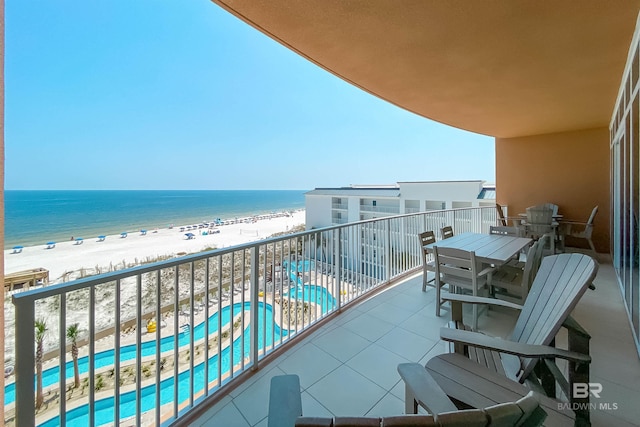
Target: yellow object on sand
<point>151,326</point>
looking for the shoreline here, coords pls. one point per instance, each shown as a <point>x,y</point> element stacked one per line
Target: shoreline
<point>34,217</point>
<point>115,251</point>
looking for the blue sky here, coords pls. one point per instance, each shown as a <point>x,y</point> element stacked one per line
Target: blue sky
<point>166,94</point>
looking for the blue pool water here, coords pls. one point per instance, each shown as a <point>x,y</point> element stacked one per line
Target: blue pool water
<point>104,409</point>
<point>128,352</point>
<point>313,293</point>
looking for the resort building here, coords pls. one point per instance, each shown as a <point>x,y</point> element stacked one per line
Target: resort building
<point>556,83</point>
<point>333,206</point>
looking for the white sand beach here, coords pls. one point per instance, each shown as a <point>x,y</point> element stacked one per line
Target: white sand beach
<point>68,256</point>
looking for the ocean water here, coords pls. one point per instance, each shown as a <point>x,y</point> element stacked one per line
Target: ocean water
<point>37,217</point>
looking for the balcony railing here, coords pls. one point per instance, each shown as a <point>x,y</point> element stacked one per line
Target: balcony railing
<point>380,209</point>
<point>343,206</point>
<point>158,339</point>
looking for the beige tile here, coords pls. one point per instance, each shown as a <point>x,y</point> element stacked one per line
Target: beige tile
<point>342,344</point>
<point>387,406</point>
<point>378,365</point>
<point>310,363</point>
<point>253,403</point>
<point>410,346</point>
<point>312,408</point>
<point>228,416</point>
<point>390,313</point>
<point>369,327</point>
<point>346,392</point>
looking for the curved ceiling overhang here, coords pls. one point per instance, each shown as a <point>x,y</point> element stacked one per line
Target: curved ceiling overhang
<point>501,68</point>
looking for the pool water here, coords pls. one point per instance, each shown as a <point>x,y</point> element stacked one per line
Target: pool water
<point>104,409</point>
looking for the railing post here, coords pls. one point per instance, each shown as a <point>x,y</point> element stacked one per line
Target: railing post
<point>387,251</point>
<point>25,362</point>
<point>337,256</point>
<point>255,265</point>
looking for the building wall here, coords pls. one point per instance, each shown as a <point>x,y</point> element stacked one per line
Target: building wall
<point>453,193</point>
<point>318,209</point>
<point>570,169</point>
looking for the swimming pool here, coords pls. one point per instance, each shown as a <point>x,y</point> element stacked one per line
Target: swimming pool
<point>128,352</point>
<point>104,408</point>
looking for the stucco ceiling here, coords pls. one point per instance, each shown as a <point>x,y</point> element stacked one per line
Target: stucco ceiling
<point>503,68</point>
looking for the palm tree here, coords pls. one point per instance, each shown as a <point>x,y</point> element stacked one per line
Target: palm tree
<point>41,329</point>
<point>72,333</point>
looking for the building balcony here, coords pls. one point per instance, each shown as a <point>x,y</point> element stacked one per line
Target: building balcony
<point>348,365</point>
<point>148,357</point>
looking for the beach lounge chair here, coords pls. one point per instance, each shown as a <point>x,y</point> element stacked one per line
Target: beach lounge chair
<point>123,235</point>
<point>190,236</point>
<point>17,249</point>
<point>101,238</point>
<point>51,245</point>
<point>285,410</point>
<point>79,240</point>
<point>143,232</point>
<point>484,369</point>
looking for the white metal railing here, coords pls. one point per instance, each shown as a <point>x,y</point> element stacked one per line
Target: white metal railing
<point>339,206</point>
<point>147,354</point>
<point>381,209</point>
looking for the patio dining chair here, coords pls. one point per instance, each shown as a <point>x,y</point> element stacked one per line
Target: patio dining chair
<point>504,230</point>
<point>459,269</point>
<point>502,220</point>
<point>540,222</point>
<point>580,230</point>
<point>513,282</point>
<point>446,232</point>
<point>428,262</point>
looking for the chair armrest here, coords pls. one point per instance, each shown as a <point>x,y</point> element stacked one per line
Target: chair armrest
<point>562,221</point>
<point>486,271</point>
<point>470,299</point>
<point>574,328</point>
<point>285,402</point>
<point>421,387</point>
<point>511,347</point>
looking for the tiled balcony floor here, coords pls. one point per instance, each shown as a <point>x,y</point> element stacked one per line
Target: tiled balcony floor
<point>348,367</point>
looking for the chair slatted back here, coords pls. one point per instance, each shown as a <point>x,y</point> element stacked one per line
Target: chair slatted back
<point>539,215</point>
<point>446,232</point>
<point>530,268</point>
<point>553,207</point>
<point>456,266</point>
<point>501,218</point>
<point>588,229</point>
<point>504,230</point>
<point>558,286</point>
<point>426,238</point>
